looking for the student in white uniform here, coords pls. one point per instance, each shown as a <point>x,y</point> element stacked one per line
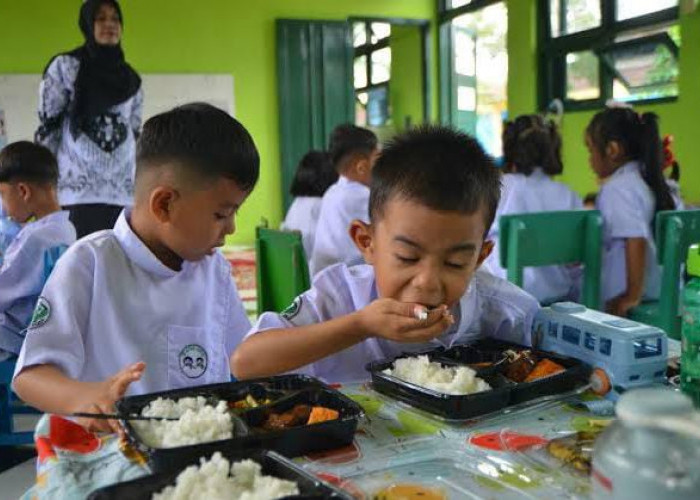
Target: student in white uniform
<point>28,180</point>
<point>625,152</point>
<point>433,197</point>
<point>353,152</point>
<point>150,305</point>
<point>314,175</point>
<point>531,153</point>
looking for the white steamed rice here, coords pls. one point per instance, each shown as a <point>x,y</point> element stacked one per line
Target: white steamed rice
<point>419,370</point>
<point>198,422</point>
<point>215,480</point>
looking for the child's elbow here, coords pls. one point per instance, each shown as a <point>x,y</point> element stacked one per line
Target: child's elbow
<point>241,368</point>
<point>19,386</point>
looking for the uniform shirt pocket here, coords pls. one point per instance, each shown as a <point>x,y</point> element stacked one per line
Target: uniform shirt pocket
<point>191,357</point>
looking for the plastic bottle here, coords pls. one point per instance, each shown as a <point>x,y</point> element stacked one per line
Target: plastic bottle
<point>690,341</point>
<point>652,451</point>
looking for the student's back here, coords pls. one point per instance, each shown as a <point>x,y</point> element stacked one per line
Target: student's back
<point>531,151</point>
<point>28,178</point>
<point>625,153</point>
<point>353,152</point>
<point>624,190</point>
<point>345,201</point>
<point>314,175</point>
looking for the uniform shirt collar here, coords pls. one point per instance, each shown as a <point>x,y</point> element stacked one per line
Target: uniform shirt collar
<point>629,167</point>
<point>137,251</point>
<point>344,181</point>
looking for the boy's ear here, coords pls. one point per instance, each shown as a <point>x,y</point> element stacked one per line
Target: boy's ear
<point>161,202</point>
<point>486,249</point>
<point>24,190</point>
<point>361,235</point>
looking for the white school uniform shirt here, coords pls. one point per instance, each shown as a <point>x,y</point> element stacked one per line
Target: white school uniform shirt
<point>537,193</point>
<point>28,262</point>
<point>342,203</point>
<point>110,302</point>
<point>627,206</point>
<point>490,307</point>
<point>303,216</point>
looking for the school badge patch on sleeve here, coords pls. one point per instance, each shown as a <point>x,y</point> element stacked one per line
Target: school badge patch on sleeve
<point>294,308</point>
<point>42,313</point>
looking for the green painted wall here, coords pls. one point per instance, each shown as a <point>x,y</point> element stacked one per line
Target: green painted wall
<point>406,91</point>
<point>522,56</point>
<point>209,36</point>
<point>678,118</point>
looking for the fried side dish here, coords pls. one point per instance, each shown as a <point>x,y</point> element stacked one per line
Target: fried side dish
<point>299,415</point>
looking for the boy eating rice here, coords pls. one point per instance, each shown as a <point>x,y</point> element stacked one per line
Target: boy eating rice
<point>433,197</point>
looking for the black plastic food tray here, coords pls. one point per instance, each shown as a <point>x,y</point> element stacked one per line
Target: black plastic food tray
<point>577,372</point>
<point>504,392</point>
<point>310,487</point>
<point>445,405</point>
<point>291,442</point>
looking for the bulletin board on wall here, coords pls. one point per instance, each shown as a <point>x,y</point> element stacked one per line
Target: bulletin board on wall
<point>19,94</point>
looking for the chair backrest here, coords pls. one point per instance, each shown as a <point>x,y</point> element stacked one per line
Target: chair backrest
<point>693,266</point>
<point>676,231</point>
<point>282,270</point>
<point>552,238</point>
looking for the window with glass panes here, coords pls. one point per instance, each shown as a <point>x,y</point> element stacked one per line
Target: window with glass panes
<point>372,72</point>
<point>592,51</point>
<point>474,68</point>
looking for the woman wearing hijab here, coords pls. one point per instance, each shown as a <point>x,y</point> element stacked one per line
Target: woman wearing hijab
<point>90,104</point>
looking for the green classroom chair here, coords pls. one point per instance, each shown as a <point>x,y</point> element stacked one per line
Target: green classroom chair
<point>554,238</point>
<point>282,270</point>
<point>693,266</point>
<point>676,231</point>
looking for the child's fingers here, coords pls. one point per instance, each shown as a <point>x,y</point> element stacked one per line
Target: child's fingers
<point>113,425</point>
<point>415,311</point>
<point>407,330</point>
<point>432,317</point>
<point>428,332</point>
<point>121,381</point>
<point>95,424</point>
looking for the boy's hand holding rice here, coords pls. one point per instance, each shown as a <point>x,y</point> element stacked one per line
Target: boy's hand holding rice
<point>404,322</point>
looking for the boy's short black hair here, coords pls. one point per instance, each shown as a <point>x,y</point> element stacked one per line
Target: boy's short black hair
<point>347,140</point>
<point>205,140</point>
<point>439,167</point>
<point>25,161</point>
<point>314,175</point>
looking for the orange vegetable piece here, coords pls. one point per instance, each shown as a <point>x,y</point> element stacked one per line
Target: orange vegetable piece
<point>544,368</point>
<point>321,414</point>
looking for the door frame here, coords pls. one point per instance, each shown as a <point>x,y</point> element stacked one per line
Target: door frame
<point>426,51</point>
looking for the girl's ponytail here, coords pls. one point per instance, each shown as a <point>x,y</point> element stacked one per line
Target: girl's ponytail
<point>650,154</point>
